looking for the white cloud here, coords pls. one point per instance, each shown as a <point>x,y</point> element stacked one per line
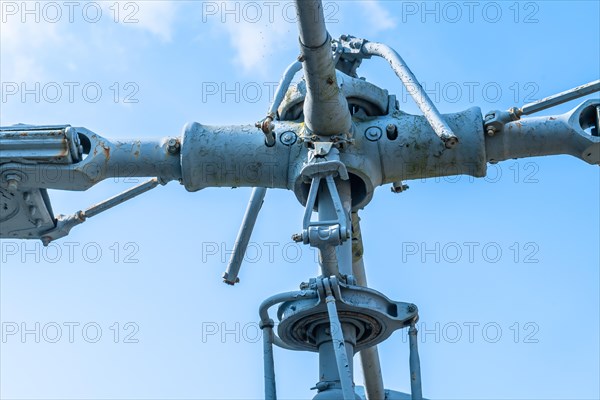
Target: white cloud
<point>23,46</point>
<point>378,17</point>
<point>28,49</point>
<point>156,17</point>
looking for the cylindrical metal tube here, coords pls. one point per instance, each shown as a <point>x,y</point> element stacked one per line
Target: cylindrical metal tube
<point>561,98</point>
<point>417,153</point>
<point>120,198</point>
<point>415,365</point>
<point>232,156</point>
<point>311,22</point>
<point>369,357</point>
<point>241,243</point>
<point>284,84</point>
<point>325,108</point>
<point>344,250</point>
<point>269,362</point>
<point>342,339</point>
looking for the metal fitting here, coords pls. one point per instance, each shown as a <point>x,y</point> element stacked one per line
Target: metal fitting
<point>391,131</point>
<point>373,133</point>
<point>399,187</point>
<point>12,181</point>
<point>173,146</point>
<point>288,138</point>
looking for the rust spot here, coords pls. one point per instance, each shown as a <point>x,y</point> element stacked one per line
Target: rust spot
<point>552,118</point>
<point>24,134</point>
<point>136,153</point>
<point>106,151</point>
<point>330,80</point>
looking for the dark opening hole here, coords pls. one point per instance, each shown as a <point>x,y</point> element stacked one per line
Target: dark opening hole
<point>588,119</point>
<point>85,143</point>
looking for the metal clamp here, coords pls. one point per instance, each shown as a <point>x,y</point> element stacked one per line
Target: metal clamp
<point>329,232</point>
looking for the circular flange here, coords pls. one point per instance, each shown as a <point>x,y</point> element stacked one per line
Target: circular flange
<point>374,316</point>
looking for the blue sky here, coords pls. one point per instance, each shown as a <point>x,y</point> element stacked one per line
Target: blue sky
<point>507,285</point>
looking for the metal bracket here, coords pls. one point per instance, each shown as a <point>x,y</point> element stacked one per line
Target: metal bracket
<point>349,54</point>
<point>494,121</point>
<point>330,232</point>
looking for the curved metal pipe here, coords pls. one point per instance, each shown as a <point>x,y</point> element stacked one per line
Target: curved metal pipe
<point>415,89</point>
<point>284,84</point>
<point>263,310</point>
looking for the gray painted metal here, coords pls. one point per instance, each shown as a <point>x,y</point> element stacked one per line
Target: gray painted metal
<point>268,359</point>
<point>120,198</point>
<point>569,133</point>
<point>339,341</point>
<point>364,307</point>
<point>560,98</point>
<point>230,276</point>
<point>369,357</point>
<point>102,159</point>
<point>53,144</point>
<point>64,223</point>
<point>284,84</point>
<point>330,129</point>
<point>357,92</point>
<point>415,89</point>
<point>415,365</point>
<point>325,108</point>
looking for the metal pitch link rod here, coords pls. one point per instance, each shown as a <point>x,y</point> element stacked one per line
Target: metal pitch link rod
<point>495,120</point>
<point>64,224</point>
<point>230,276</point>
<point>559,98</point>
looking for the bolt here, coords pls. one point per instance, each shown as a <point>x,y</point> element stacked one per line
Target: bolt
<point>13,182</point>
<point>399,187</point>
<point>173,146</point>
<point>373,133</point>
<point>491,131</point>
<point>392,131</point>
<point>412,308</point>
<point>451,142</point>
<point>288,138</point>
<point>297,237</point>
